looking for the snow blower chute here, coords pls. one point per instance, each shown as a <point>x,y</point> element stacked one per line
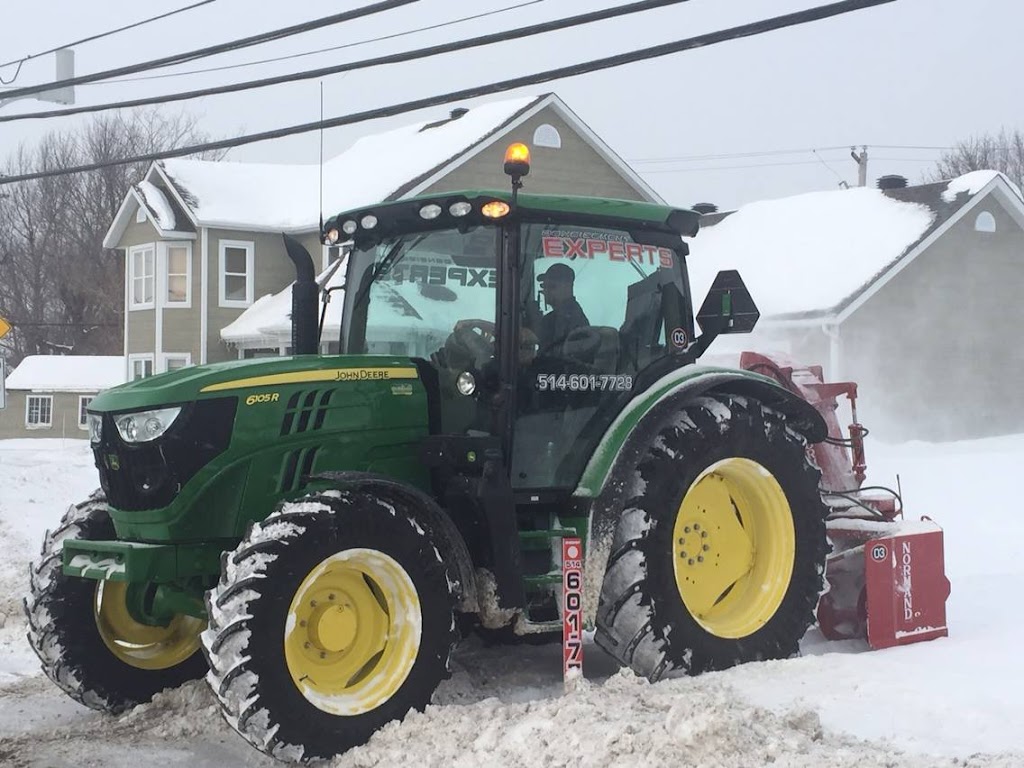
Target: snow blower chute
<point>886,576</point>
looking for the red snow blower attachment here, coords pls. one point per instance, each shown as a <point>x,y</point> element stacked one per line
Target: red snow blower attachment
<point>886,576</point>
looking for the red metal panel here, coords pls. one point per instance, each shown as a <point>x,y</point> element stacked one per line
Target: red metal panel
<point>906,587</point>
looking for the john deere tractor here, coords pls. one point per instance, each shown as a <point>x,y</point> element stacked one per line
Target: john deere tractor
<point>315,533</point>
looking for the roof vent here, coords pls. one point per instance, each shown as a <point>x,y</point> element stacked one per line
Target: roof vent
<point>892,182</point>
<point>458,112</point>
<point>705,208</point>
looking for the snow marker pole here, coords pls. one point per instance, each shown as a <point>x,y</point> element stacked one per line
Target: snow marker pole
<point>572,612</point>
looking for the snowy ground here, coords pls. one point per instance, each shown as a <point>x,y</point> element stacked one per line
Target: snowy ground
<point>954,701</point>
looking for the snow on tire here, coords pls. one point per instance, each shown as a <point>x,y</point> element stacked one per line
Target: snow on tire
<point>332,617</point>
<point>719,559</point>
<point>64,615</point>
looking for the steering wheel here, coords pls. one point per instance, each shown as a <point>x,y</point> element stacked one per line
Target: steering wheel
<point>472,340</point>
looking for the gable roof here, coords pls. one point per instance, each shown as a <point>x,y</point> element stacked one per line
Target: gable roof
<point>70,373</point>
<point>823,254</point>
<point>384,166</point>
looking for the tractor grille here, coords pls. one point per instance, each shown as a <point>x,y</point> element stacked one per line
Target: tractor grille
<point>149,475</point>
<point>306,411</point>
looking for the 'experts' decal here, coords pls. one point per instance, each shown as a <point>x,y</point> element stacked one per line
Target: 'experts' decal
<point>328,374</point>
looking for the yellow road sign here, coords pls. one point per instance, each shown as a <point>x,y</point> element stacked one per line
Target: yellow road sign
<point>4,327</point>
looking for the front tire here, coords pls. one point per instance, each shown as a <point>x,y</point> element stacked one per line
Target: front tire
<point>86,639</point>
<point>332,617</point>
<point>719,559</point>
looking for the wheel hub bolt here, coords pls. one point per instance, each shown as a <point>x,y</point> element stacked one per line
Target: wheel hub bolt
<point>691,561</point>
<point>686,529</point>
<point>683,554</point>
<point>696,526</point>
<point>700,558</point>
<point>706,548</point>
<point>330,596</point>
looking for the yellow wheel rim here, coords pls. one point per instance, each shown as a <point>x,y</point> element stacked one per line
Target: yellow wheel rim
<point>353,632</point>
<point>141,645</point>
<point>733,547</point>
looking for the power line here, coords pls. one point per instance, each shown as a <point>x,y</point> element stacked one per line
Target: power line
<point>212,50</point>
<point>736,155</point>
<point>731,167</point>
<point>355,44</point>
<point>394,58</point>
<point>643,54</point>
<point>774,152</point>
<point>101,35</point>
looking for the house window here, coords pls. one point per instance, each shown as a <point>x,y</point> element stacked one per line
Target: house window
<point>236,273</point>
<point>985,222</point>
<point>178,275</point>
<point>140,366</point>
<point>176,361</point>
<point>140,215</point>
<point>83,417</point>
<point>39,411</point>
<point>141,273</point>
<point>547,135</point>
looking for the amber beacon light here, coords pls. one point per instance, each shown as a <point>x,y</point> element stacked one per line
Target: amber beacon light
<point>517,160</point>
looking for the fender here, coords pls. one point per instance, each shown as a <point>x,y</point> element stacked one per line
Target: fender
<point>608,480</point>
<point>443,531</point>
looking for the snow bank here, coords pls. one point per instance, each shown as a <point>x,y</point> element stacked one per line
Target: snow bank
<point>808,252</point>
<point>72,373</point>
<point>941,702</point>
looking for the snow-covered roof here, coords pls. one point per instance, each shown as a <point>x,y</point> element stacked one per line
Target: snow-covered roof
<point>157,204</point>
<point>812,254</point>
<point>267,323</point>
<point>374,168</point>
<point>72,373</point>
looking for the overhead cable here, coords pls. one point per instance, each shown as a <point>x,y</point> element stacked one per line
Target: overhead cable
<point>393,58</point>
<point>331,49</point>
<point>213,50</point>
<point>609,62</point>
<point>101,35</point>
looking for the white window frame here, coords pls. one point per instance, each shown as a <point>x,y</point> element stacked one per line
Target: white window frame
<point>985,222</point>
<point>140,215</point>
<point>143,358</point>
<point>83,403</point>
<point>28,407</point>
<point>136,249</point>
<point>250,283</point>
<point>167,357</point>
<point>164,267</point>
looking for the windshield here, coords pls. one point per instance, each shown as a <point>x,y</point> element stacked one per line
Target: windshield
<point>410,292</point>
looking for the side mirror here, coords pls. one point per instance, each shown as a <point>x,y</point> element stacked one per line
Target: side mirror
<point>729,307</point>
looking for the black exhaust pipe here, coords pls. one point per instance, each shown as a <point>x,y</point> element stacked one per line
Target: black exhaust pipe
<point>304,299</point>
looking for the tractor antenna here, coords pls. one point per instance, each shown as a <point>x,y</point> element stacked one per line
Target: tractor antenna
<point>321,158</point>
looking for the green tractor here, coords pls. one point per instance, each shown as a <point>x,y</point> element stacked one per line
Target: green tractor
<point>315,533</point>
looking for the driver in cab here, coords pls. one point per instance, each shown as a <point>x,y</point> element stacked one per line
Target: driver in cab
<point>566,314</point>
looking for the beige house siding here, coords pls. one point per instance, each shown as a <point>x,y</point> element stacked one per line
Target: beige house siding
<point>273,271</point>
<point>64,416</point>
<point>574,169</point>
<point>937,351</point>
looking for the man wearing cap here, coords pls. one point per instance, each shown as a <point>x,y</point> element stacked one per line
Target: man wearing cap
<point>566,314</point>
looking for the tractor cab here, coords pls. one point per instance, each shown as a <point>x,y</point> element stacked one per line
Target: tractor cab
<point>535,320</point>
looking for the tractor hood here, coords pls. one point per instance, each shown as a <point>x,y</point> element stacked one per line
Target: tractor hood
<point>247,378</point>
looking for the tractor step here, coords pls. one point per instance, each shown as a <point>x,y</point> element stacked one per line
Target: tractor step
<point>542,539</point>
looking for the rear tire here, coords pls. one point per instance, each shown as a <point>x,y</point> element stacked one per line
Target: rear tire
<point>744,586</point>
<point>332,617</point>
<point>64,629</point>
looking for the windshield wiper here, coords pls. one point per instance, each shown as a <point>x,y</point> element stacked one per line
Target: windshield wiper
<point>392,257</point>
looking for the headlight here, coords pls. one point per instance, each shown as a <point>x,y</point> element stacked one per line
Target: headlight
<point>95,422</point>
<point>143,426</point>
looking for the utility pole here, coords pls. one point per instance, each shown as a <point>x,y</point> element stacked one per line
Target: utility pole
<point>861,158</point>
<point>65,70</point>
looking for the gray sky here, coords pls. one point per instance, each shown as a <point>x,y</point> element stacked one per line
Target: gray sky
<point>915,73</point>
